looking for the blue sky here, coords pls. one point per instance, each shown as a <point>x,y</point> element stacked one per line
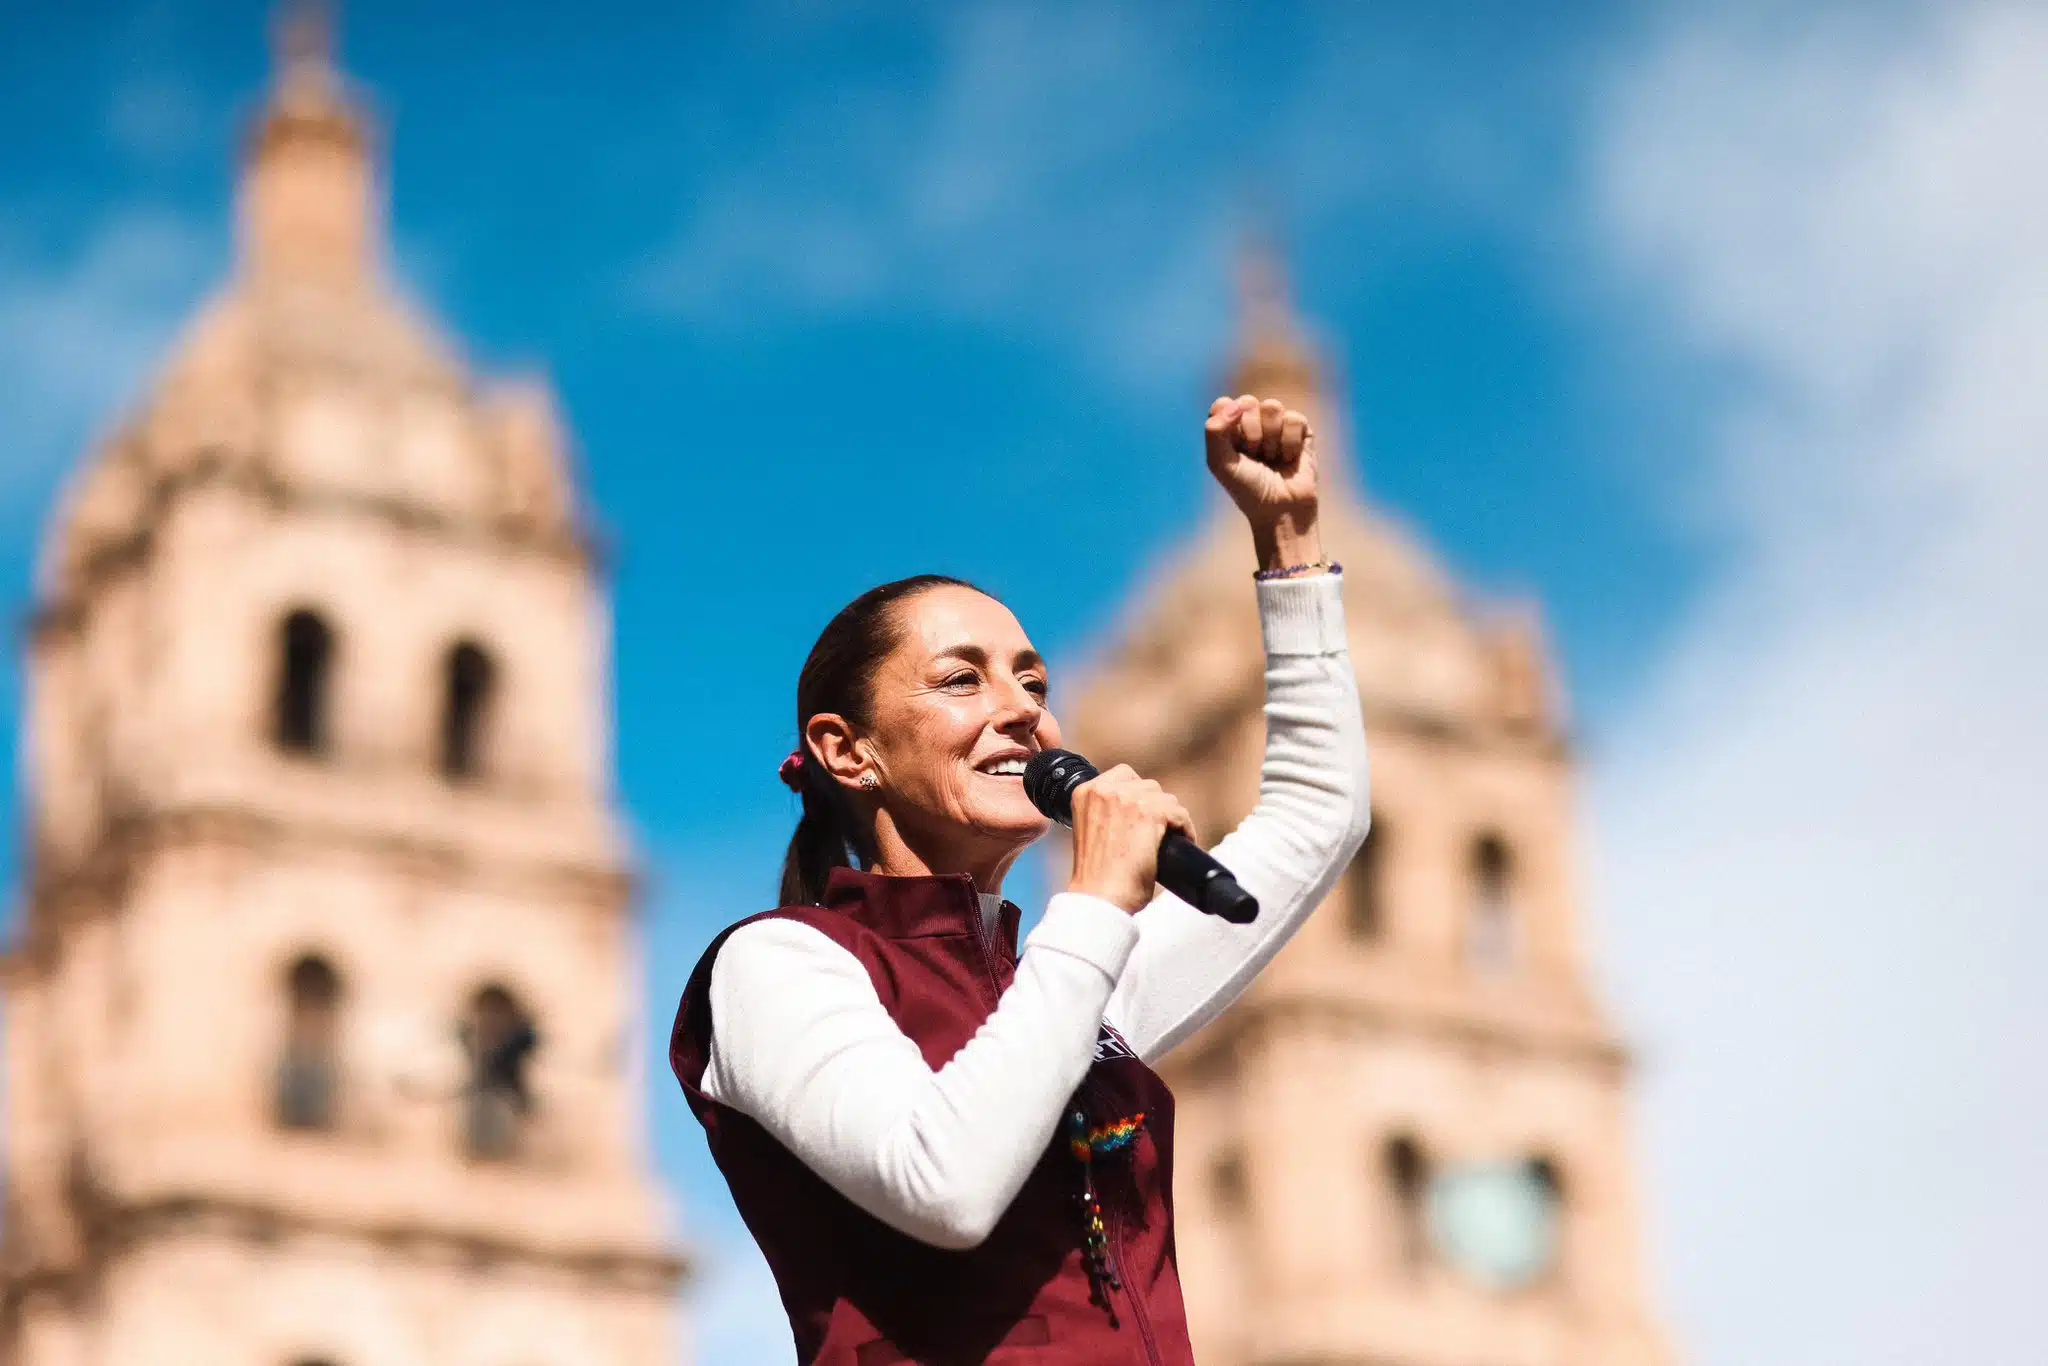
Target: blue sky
<point>1668,316</point>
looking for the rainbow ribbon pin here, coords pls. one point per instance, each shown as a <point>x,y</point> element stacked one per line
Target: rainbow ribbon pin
<point>1108,1138</point>
<point>1087,1145</point>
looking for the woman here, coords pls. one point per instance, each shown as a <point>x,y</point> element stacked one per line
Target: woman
<point>950,1151</point>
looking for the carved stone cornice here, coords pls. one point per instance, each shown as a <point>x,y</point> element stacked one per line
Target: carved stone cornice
<point>1464,733</point>
<point>1479,1033</point>
<point>93,885</point>
<point>582,545</point>
<point>116,1229</point>
<point>124,1227</point>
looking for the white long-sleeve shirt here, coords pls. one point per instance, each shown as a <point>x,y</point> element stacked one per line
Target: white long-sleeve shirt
<point>801,1042</point>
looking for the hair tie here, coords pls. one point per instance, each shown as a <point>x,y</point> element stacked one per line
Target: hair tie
<point>792,771</point>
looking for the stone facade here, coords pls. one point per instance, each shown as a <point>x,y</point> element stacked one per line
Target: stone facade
<point>321,1024</point>
<point>1409,1144</point>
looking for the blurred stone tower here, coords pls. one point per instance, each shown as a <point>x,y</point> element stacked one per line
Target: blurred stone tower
<point>320,1026</point>
<point>1408,1145</point>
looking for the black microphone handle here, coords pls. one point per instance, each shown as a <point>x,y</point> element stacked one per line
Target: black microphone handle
<point>1187,870</point>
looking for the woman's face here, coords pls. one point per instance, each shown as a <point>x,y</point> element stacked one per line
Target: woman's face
<point>955,712</point>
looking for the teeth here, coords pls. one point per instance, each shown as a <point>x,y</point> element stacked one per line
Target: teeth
<point>1012,767</point>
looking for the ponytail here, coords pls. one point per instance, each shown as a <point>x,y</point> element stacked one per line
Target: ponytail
<point>838,677</point>
<point>823,839</point>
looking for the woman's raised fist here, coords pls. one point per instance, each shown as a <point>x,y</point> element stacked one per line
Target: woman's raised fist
<point>1264,455</point>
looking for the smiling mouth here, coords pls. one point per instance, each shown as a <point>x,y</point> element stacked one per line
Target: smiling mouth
<point>1003,768</point>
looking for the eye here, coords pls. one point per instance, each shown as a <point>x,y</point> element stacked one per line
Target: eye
<point>1038,688</point>
<point>966,678</point>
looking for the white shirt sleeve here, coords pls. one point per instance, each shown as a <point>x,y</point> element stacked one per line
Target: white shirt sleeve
<point>1311,816</point>
<point>801,1043</point>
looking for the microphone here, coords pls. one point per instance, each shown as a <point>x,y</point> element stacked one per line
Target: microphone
<point>1185,868</point>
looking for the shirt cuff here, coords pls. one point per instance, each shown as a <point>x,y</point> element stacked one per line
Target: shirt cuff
<point>1303,616</point>
<point>1088,928</point>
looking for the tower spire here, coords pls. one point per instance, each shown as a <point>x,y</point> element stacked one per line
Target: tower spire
<point>303,49</point>
<point>1274,356</point>
<point>308,211</point>
<point>1262,287</point>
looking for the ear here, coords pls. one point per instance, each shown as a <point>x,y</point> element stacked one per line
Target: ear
<point>834,743</point>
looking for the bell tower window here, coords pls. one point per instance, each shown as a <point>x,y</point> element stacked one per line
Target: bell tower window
<point>501,1039</point>
<point>1407,1186</point>
<point>1548,1182</point>
<point>470,676</point>
<point>308,1073</point>
<point>306,659</point>
<point>1491,933</point>
<point>1227,1185</point>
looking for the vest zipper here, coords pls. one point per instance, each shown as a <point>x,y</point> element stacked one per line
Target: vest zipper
<point>984,941</point>
<point>1131,1291</point>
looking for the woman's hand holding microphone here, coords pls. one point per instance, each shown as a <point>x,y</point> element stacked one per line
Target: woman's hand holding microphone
<point>1119,820</point>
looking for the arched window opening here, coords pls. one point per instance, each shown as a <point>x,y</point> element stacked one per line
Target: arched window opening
<point>1365,909</point>
<point>1492,933</point>
<point>500,1037</point>
<point>306,660</point>
<point>1227,1184</point>
<point>308,1073</point>
<point>1407,1185</point>
<point>1548,1182</point>
<point>470,675</point>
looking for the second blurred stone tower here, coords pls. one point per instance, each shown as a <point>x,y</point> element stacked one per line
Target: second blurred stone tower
<point>1409,1143</point>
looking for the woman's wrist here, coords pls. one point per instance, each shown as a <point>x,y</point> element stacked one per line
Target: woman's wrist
<point>1122,894</point>
<point>1290,540</point>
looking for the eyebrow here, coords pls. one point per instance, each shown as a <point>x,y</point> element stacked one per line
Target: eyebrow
<point>975,655</point>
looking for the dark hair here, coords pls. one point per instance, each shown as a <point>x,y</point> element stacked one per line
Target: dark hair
<point>838,677</point>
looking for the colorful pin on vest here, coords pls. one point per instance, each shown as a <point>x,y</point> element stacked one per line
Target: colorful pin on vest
<point>1087,1145</point>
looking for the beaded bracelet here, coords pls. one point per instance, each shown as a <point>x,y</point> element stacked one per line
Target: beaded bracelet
<point>1296,570</point>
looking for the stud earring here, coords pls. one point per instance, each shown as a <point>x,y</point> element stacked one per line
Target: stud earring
<point>869,782</point>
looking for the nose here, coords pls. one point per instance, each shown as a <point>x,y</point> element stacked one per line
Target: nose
<point>1019,711</point>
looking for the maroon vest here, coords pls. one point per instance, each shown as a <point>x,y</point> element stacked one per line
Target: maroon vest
<point>858,1292</point>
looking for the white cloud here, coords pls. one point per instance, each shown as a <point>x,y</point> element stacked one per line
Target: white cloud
<point>991,193</point>
<point>78,329</point>
<point>1084,173</point>
<point>1079,172</point>
<point>1822,828</point>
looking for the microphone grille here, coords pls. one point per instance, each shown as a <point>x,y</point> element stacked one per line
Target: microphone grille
<point>1050,777</point>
